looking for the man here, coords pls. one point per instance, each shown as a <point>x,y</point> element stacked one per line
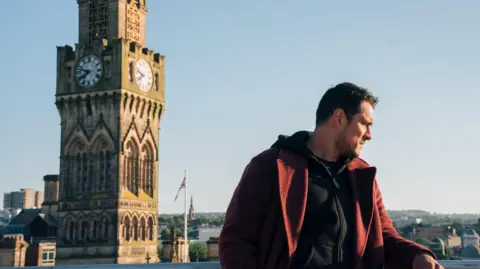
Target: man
<point>310,202</point>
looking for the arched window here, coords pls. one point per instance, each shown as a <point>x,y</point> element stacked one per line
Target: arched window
<point>95,230</point>
<point>84,231</point>
<point>108,173</point>
<point>150,229</point>
<point>69,229</point>
<point>84,181</point>
<point>135,228</point>
<point>143,229</point>
<point>101,171</point>
<point>100,152</point>
<point>105,229</point>
<point>147,169</point>
<point>78,172</point>
<point>68,179</point>
<point>127,228</point>
<point>131,167</point>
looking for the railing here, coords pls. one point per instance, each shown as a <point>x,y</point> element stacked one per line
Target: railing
<point>451,264</point>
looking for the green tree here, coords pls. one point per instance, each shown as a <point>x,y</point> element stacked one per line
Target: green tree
<point>179,232</point>
<point>198,252</point>
<point>165,234</point>
<point>458,222</point>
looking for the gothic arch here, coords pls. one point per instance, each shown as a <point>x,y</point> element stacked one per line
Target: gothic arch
<point>68,226</point>
<point>147,137</point>
<point>83,228</point>
<point>135,226</point>
<point>106,226</point>
<point>126,227</point>
<point>151,231</point>
<point>125,216</point>
<point>147,175</point>
<point>130,164</point>
<point>102,140</point>
<point>143,228</point>
<point>77,143</point>
<point>73,162</point>
<point>132,132</point>
<point>94,227</point>
<point>102,148</point>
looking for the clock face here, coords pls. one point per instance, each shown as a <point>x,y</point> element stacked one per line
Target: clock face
<point>143,75</point>
<point>89,71</point>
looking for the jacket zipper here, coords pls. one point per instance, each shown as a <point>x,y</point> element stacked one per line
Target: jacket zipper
<point>341,215</point>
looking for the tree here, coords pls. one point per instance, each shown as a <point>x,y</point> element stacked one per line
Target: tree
<point>165,234</point>
<point>179,232</point>
<point>198,252</point>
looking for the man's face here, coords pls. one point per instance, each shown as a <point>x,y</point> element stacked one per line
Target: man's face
<point>355,132</point>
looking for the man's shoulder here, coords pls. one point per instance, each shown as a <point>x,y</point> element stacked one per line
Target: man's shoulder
<point>266,155</point>
<point>359,163</point>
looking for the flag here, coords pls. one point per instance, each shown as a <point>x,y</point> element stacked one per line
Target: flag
<point>181,187</point>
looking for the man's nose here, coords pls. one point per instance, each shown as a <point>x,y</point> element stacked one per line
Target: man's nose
<point>368,135</point>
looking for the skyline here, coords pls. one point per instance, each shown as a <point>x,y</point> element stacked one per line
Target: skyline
<point>238,75</point>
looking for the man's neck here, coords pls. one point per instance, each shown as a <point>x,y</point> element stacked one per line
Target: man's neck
<point>322,144</point>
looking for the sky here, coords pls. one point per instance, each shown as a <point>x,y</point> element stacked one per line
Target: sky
<point>239,73</point>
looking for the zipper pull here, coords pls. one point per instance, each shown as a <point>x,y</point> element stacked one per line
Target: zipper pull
<point>335,183</point>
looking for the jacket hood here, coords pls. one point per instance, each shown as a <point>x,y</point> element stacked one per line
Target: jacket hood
<point>296,143</point>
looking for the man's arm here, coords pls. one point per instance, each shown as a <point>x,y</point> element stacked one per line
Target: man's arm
<point>245,215</point>
<point>399,252</point>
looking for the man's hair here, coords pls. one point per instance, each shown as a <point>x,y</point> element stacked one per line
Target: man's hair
<point>346,96</point>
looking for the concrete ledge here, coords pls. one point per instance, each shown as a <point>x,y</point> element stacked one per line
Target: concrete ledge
<point>450,264</point>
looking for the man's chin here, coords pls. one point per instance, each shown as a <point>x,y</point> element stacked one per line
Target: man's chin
<point>351,155</point>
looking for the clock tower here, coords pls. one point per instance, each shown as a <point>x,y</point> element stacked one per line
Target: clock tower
<point>110,97</point>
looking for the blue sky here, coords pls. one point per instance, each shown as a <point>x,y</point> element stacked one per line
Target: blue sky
<point>238,73</point>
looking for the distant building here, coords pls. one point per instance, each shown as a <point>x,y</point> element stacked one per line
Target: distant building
<point>25,198</point>
<point>470,238</point>
<point>33,226</point>
<point>204,234</point>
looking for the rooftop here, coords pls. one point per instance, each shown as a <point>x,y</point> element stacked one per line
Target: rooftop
<point>451,264</point>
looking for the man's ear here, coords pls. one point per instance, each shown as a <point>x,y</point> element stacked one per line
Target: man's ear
<point>339,117</point>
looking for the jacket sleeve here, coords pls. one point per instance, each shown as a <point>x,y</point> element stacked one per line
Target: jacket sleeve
<point>245,216</point>
<point>399,252</point>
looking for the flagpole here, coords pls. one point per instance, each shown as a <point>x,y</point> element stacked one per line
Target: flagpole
<point>185,220</point>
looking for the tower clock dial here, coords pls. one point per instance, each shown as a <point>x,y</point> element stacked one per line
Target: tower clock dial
<point>89,71</point>
<point>143,75</point>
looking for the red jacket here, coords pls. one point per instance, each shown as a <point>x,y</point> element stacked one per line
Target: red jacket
<point>263,221</point>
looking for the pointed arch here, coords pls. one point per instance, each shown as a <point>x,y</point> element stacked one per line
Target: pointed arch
<point>147,137</point>
<point>135,227</point>
<point>82,228</point>
<point>131,160</point>
<point>150,228</point>
<point>147,171</point>
<point>126,225</point>
<point>143,228</point>
<point>102,139</point>
<point>75,147</point>
<point>76,143</point>
<point>105,227</point>
<point>102,147</point>
<point>68,228</point>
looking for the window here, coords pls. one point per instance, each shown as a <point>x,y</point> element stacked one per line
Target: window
<point>48,255</point>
